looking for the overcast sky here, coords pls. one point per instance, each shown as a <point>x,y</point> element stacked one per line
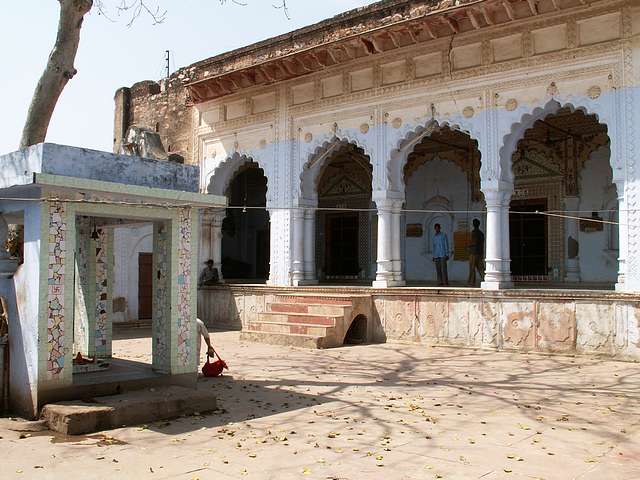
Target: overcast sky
<point>112,55</point>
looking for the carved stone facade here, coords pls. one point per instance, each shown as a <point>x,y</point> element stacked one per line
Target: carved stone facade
<point>490,71</point>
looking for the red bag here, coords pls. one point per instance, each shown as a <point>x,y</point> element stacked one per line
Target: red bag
<point>213,369</point>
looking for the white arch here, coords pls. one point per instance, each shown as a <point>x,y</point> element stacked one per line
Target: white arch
<point>405,145</point>
<point>312,168</point>
<point>224,173</point>
<point>527,120</point>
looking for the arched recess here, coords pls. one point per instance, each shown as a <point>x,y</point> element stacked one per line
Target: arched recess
<point>337,179</point>
<point>245,232</point>
<point>601,111</point>
<point>561,161</point>
<point>316,161</point>
<point>441,184</point>
<point>406,142</point>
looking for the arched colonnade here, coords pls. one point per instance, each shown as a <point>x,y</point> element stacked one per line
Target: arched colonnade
<point>498,138</point>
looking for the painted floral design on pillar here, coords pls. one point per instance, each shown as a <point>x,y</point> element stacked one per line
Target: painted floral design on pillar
<point>185,320</point>
<point>55,295</point>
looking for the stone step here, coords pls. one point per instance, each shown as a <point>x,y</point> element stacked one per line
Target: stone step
<point>315,299</point>
<point>293,328</point>
<point>312,308</point>
<point>287,339</point>
<point>326,320</point>
<point>129,408</point>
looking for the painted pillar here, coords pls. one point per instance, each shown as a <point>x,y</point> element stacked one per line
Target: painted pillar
<point>384,273</point>
<point>497,256</point>
<point>310,246</point>
<point>572,232</point>
<point>216,241</point>
<point>623,237</point>
<point>297,244</point>
<point>161,323</point>
<point>103,246</point>
<point>183,287</point>
<point>396,237</point>
<point>57,292</point>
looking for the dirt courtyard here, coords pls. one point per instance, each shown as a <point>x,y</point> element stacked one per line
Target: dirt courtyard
<point>390,411</point>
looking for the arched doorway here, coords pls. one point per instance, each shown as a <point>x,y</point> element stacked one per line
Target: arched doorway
<point>561,166</point>
<point>442,186</point>
<point>344,234</point>
<point>245,229</point>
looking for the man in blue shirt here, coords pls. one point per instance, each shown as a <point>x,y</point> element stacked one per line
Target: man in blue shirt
<point>441,254</point>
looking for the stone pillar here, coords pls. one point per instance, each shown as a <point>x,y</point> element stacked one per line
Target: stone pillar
<point>497,255</point>
<point>310,246</point>
<point>85,290</point>
<point>206,243</point>
<point>215,236</point>
<point>103,245</point>
<point>572,232</point>
<point>297,246</point>
<point>161,326</point>
<point>623,238</point>
<point>384,273</point>
<point>396,237</point>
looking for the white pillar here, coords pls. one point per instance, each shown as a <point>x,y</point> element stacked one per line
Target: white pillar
<point>384,260</point>
<point>310,246</point>
<point>215,236</point>
<point>297,247</point>
<point>572,232</point>
<point>396,237</point>
<point>623,238</point>
<point>206,218</point>
<point>497,257</point>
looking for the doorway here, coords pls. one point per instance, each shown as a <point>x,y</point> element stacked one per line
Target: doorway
<point>342,246</point>
<point>528,238</point>
<point>145,285</point>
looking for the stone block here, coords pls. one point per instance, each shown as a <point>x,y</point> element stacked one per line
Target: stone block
<point>76,418</point>
<point>400,313</point>
<point>517,320</point>
<point>491,324</point>
<point>458,324</point>
<point>594,325</point>
<point>556,326</point>
<point>432,317</point>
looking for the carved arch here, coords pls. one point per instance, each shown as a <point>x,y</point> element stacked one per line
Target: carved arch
<point>527,120</point>
<point>405,145</point>
<point>311,171</point>
<point>219,180</point>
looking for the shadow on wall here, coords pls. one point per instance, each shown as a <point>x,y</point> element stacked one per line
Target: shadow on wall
<point>217,308</point>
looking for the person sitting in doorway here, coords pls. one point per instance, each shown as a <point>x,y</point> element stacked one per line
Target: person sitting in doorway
<point>209,275</point>
<point>441,255</point>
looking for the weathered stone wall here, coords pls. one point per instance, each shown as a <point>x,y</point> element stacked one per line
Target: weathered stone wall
<point>163,107</point>
<point>546,321</point>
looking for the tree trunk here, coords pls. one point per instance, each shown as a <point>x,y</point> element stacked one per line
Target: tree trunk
<point>57,73</point>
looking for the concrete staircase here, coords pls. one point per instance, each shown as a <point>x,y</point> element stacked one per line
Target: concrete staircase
<point>303,320</point>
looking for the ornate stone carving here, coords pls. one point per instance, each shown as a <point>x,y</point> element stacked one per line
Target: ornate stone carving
<point>364,128</point>
<point>396,122</point>
<point>468,112</point>
<point>594,92</point>
<point>511,104</point>
<point>308,137</point>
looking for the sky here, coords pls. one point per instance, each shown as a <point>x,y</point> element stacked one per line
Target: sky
<point>112,55</point>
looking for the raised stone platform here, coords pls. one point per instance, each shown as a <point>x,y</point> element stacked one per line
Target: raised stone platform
<point>130,408</point>
<point>593,322</point>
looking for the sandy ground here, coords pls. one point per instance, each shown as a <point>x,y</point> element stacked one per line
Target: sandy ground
<point>389,411</point>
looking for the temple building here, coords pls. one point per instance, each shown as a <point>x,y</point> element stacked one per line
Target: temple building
<point>341,145</point>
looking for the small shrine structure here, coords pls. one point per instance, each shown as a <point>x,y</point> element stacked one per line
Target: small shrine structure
<point>65,202</point>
